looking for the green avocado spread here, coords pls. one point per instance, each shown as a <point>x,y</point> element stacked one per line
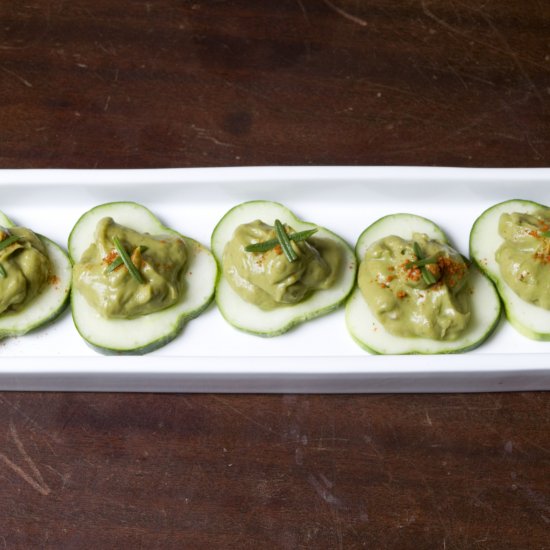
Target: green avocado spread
<point>160,261</point>
<point>268,279</point>
<point>24,268</point>
<point>524,256</point>
<point>428,300</point>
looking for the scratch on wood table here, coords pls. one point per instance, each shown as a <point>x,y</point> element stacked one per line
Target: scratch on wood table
<point>37,482</point>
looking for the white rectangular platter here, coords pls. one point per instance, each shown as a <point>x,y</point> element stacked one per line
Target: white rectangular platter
<point>317,357</point>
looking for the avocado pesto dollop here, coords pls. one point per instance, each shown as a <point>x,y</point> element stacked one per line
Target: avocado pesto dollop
<point>428,300</point>
<point>268,279</point>
<point>524,256</point>
<point>25,268</point>
<point>117,293</point>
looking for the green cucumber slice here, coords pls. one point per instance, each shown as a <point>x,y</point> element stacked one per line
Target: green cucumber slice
<point>530,320</point>
<point>370,334</point>
<point>250,318</point>
<point>50,303</point>
<point>148,332</point>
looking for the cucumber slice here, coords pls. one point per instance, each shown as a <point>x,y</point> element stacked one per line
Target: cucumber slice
<point>50,303</point>
<point>148,332</point>
<point>250,318</point>
<point>370,334</point>
<point>530,320</point>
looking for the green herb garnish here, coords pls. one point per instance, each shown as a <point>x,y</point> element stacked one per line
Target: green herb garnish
<point>422,263</point>
<point>545,234</point>
<point>10,240</point>
<point>284,241</point>
<point>428,277</point>
<point>3,273</point>
<point>262,247</point>
<point>128,261</point>
<point>302,235</point>
<point>118,261</point>
<point>272,243</point>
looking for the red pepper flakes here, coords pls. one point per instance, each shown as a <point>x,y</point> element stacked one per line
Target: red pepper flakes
<point>449,268</point>
<point>543,256</point>
<point>401,294</point>
<point>413,273</point>
<point>111,257</point>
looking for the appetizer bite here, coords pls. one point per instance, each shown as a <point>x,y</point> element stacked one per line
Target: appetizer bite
<point>135,281</point>
<point>35,279</point>
<point>510,242</point>
<point>276,270</point>
<point>416,294</point>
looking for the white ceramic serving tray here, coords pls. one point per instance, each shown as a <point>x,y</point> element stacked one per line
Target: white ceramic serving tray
<point>319,356</point>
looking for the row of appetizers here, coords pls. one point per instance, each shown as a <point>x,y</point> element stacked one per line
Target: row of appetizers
<point>133,282</point>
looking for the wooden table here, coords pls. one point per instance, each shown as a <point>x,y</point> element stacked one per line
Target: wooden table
<point>101,84</point>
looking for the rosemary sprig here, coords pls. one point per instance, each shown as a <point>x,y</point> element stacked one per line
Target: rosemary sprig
<point>128,261</point>
<point>263,246</point>
<point>421,263</point>
<point>10,240</point>
<point>3,273</point>
<point>302,235</point>
<point>118,261</point>
<point>428,276</point>
<point>284,241</point>
<point>272,243</point>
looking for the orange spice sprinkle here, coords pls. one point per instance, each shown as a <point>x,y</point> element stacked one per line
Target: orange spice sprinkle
<point>543,257</point>
<point>111,257</point>
<point>401,294</point>
<point>412,273</point>
<point>450,267</point>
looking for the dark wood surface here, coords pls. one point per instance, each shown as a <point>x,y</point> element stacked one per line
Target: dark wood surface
<point>100,83</point>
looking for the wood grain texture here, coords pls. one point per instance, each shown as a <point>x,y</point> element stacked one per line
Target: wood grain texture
<point>433,471</point>
<point>192,83</point>
<point>153,84</point>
